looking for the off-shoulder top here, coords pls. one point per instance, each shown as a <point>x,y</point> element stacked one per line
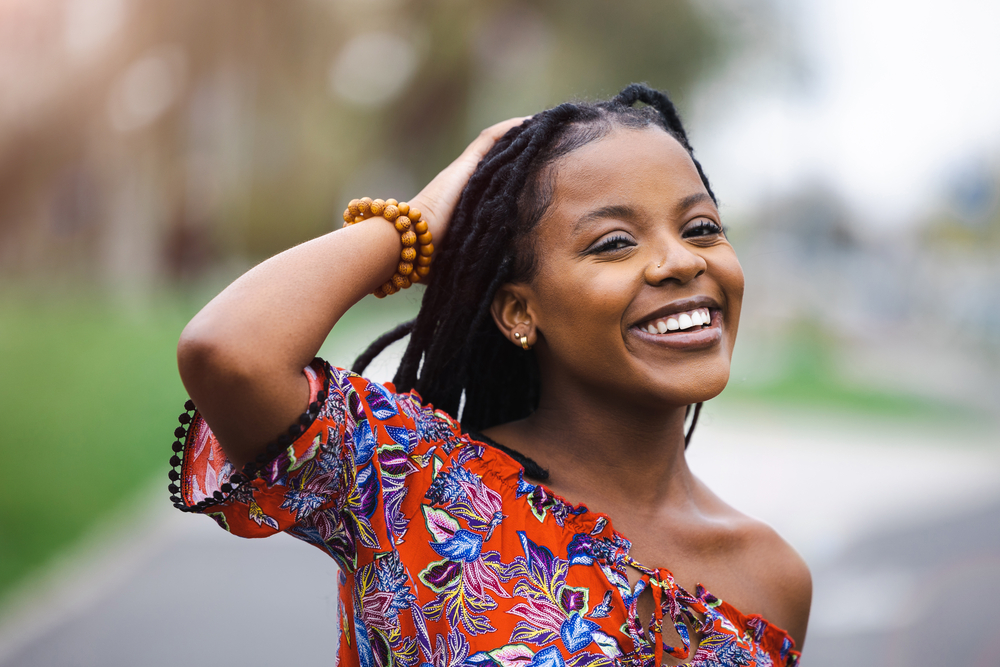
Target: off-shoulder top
<point>448,556</point>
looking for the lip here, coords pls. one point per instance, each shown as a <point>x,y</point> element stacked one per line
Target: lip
<point>684,340</point>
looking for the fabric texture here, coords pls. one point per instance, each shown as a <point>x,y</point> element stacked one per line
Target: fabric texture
<point>448,556</point>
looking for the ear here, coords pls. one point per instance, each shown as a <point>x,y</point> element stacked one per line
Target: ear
<point>512,313</point>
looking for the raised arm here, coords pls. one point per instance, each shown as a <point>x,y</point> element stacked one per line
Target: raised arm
<point>241,357</point>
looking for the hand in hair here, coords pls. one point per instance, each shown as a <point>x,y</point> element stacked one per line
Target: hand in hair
<point>241,357</point>
<point>438,199</point>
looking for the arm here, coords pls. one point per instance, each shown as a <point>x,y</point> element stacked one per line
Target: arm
<point>241,357</point>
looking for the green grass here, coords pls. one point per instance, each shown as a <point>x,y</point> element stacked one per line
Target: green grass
<point>809,377</point>
<point>89,398</point>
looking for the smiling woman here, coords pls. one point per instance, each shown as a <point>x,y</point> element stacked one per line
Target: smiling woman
<point>583,298</point>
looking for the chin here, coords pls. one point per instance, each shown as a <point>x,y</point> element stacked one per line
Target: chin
<point>700,386</point>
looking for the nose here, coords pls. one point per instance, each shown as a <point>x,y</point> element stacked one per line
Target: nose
<point>678,264</point>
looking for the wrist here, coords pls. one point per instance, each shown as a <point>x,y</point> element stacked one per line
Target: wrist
<point>415,237</point>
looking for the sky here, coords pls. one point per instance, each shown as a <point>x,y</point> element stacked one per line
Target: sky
<point>886,102</point>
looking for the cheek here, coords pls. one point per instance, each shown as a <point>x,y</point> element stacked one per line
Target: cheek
<point>730,278</point>
<point>581,307</point>
<point>738,284</point>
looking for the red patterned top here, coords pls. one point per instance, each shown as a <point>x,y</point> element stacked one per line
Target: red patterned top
<point>448,556</point>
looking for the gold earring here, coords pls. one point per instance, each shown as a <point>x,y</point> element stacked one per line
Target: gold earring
<point>523,340</point>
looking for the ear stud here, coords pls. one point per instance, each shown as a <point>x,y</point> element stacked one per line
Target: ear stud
<point>523,340</point>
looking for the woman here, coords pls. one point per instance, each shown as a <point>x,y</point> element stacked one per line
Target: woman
<point>583,297</point>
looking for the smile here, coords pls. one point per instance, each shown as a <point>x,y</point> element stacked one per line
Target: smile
<point>685,321</point>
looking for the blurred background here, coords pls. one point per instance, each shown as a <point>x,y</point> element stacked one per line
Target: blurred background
<point>151,151</point>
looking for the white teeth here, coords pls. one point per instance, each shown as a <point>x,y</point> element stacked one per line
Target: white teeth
<point>693,318</point>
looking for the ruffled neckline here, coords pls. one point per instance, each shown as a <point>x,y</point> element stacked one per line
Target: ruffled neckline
<point>509,472</point>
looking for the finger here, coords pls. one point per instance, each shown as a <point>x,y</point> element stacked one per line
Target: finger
<point>484,142</point>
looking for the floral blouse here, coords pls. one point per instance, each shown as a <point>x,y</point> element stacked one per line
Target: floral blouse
<point>448,557</point>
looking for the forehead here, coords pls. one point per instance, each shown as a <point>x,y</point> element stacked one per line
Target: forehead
<point>636,167</point>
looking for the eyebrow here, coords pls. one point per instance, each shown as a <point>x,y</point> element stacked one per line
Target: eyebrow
<point>690,201</point>
<point>614,211</point>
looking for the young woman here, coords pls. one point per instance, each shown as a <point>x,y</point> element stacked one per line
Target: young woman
<point>582,298</point>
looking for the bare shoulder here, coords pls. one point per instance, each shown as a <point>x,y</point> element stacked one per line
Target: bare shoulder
<point>758,572</point>
<point>782,583</point>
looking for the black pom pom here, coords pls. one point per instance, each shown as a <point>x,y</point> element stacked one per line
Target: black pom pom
<point>180,432</point>
<point>217,495</point>
<point>261,458</point>
<point>249,469</point>
<point>174,461</point>
<point>173,488</point>
<point>177,446</point>
<point>237,478</point>
<point>305,419</point>
<point>284,440</point>
<point>189,405</point>
<point>174,475</point>
<point>321,397</point>
<point>184,418</point>
<point>227,488</point>
<point>272,448</point>
<point>294,430</point>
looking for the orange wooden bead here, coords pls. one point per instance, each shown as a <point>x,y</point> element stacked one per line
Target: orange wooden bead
<point>348,216</point>
<point>424,239</point>
<point>377,206</point>
<point>404,268</point>
<point>420,227</point>
<point>391,202</point>
<point>389,288</point>
<point>414,277</point>
<point>379,293</point>
<point>408,254</point>
<point>414,214</point>
<point>390,212</point>
<point>403,207</point>
<point>408,238</point>
<point>359,218</point>
<point>401,282</point>
<point>363,205</point>
<point>353,207</point>
<point>427,250</point>
<point>423,261</point>
<point>402,224</point>
<point>423,270</point>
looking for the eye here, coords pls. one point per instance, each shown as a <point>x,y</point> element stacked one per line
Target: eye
<point>614,244</point>
<point>703,227</point>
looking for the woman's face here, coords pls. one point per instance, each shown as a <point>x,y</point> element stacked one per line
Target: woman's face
<point>637,292</point>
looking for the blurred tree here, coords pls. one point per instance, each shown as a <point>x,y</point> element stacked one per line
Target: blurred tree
<point>144,140</point>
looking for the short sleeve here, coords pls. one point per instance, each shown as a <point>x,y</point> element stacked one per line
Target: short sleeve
<point>335,480</point>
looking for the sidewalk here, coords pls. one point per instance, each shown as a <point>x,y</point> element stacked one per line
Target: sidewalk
<point>902,534</point>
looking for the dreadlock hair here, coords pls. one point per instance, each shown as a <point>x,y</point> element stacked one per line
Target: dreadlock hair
<point>454,345</point>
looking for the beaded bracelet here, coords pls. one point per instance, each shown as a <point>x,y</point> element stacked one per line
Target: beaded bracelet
<point>415,258</point>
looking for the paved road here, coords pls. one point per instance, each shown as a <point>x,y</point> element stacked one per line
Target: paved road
<point>902,533</point>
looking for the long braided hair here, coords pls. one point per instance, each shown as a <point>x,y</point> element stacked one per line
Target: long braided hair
<point>454,346</point>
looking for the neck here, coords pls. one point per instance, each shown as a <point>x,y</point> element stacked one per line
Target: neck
<point>601,451</point>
